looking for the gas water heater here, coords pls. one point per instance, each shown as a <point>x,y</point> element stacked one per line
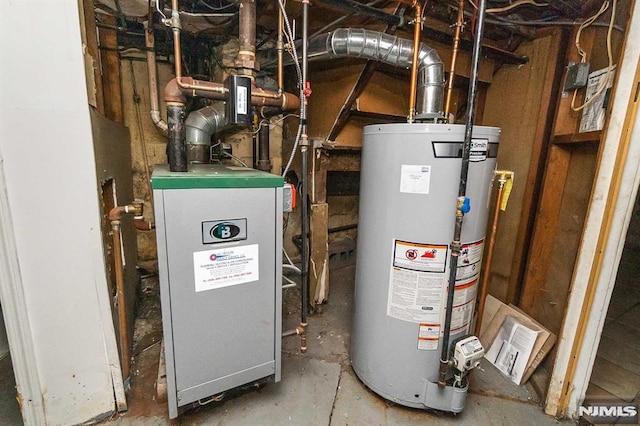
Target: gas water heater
<point>410,176</point>
<point>219,232</point>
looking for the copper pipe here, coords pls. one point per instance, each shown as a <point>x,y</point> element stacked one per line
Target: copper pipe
<point>143,225</point>
<point>176,92</point>
<point>454,56</point>
<point>114,216</point>
<point>414,63</point>
<point>122,308</point>
<point>486,273</point>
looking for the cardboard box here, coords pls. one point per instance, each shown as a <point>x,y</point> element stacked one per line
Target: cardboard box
<point>493,317</point>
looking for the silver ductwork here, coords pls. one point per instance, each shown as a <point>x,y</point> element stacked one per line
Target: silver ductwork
<point>200,126</point>
<point>396,51</point>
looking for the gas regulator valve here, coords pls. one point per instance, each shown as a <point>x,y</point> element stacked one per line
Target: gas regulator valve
<point>467,352</point>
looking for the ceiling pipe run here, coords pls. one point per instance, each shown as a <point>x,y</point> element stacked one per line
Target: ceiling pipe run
<point>396,51</point>
<point>178,89</point>
<point>366,10</point>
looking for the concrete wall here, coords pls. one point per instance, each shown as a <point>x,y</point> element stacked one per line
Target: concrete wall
<point>51,187</point>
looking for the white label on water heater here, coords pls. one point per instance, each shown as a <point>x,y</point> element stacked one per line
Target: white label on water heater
<point>417,281</point>
<point>415,179</point>
<point>225,267</point>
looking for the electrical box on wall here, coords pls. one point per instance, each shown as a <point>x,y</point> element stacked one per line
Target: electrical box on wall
<point>219,236</point>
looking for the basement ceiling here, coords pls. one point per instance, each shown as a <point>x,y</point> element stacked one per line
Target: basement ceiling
<point>213,22</point>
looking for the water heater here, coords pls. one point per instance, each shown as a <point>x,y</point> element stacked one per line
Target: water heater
<point>410,175</point>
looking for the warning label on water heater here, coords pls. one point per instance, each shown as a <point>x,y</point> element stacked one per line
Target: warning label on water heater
<point>225,267</point>
<point>428,337</point>
<point>416,282</point>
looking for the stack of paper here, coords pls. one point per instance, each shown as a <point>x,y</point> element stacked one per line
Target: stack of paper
<point>512,348</point>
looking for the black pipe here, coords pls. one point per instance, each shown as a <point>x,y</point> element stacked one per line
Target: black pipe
<point>304,148</point>
<point>263,162</point>
<point>462,203</point>
<point>176,147</point>
<point>362,9</point>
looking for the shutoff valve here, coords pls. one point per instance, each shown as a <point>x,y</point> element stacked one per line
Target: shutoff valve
<point>467,353</point>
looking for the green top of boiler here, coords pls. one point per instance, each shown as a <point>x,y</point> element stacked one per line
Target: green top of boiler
<point>213,176</point>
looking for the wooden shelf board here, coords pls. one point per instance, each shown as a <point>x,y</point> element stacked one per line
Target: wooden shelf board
<point>578,138</point>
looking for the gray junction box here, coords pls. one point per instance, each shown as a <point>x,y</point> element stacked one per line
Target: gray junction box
<point>219,236</point>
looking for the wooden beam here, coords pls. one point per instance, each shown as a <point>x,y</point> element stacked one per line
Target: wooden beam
<point>545,229</point>
<point>533,183</point>
<point>110,60</point>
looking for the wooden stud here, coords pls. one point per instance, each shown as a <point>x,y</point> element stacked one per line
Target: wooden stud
<point>110,60</point>
<point>545,228</point>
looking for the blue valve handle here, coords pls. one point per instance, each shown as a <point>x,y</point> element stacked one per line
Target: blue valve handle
<point>466,206</point>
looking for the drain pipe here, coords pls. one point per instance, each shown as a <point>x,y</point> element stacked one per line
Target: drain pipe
<point>305,92</point>
<point>153,76</point>
<point>454,58</point>
<point>463,205</point>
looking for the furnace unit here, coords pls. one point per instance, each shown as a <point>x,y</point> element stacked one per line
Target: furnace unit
<point>219,233</point>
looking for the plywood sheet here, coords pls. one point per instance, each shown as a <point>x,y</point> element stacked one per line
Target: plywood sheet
<point>514,104</point>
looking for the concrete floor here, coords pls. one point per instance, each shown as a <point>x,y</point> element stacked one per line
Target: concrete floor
<point>318,387</point>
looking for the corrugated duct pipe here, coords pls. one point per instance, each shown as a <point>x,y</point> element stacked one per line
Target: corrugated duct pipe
<point>396,51</point>
<point>200,126</point>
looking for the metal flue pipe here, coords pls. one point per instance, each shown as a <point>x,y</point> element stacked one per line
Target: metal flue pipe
<point>201,125</point>
<point>462,206</point>
<point>392,50</point>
